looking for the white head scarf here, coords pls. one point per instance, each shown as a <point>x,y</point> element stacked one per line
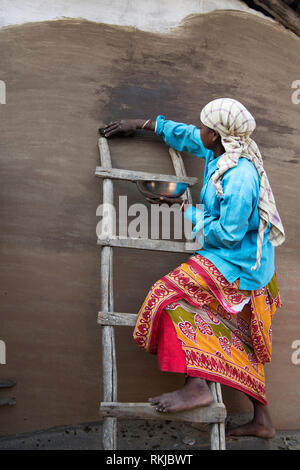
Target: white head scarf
<point>235,124</point>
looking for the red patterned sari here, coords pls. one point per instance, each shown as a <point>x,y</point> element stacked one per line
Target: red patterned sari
<point>202,326</point>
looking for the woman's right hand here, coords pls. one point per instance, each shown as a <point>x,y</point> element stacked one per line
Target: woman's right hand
<point>166,200</point>
<point>124,126</point>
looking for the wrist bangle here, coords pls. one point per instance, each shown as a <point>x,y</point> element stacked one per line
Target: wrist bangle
<point>146,124</point>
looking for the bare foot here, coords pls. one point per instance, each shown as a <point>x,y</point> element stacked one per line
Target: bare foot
<point>260,426</point>
<point>253,429</point>
<point>194,393</point>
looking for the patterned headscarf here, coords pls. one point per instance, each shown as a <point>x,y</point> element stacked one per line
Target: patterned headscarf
<point>235,124</point>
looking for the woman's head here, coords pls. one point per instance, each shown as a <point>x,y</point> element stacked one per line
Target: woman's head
<point>226,126</point>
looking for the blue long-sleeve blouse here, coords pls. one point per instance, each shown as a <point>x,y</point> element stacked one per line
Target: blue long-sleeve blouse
<point>229,222</point>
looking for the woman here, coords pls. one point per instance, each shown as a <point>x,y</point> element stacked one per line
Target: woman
<point>210,318</point>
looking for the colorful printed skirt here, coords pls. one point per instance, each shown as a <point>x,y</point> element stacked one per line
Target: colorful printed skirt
<point>199,324</point>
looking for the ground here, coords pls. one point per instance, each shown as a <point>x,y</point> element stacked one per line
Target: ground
<point>145,435</point>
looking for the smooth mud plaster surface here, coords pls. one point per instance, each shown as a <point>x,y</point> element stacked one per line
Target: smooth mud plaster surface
<point>64,79</point>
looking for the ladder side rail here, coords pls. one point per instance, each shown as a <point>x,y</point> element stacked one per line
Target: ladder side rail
<point>214,428</point>
<point>222,425</point>
<point>109,365</point>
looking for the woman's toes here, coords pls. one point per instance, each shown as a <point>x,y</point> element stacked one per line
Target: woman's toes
<point>158,408</point>
<point>161,408</point>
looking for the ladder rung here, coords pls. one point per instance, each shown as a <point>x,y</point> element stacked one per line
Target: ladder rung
<point>214,413</point>
<point>148,244</point>
<point>116,319</point>
<point>120,174</point>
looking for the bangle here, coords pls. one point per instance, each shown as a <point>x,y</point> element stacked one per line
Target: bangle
<point>146,124</point>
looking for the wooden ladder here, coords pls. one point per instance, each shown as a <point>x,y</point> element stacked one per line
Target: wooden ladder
<point>110,408</point>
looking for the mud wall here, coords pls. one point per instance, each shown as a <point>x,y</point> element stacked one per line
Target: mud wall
<point>64,79</point>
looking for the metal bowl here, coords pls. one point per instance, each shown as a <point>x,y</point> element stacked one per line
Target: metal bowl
<point>161,188</point>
